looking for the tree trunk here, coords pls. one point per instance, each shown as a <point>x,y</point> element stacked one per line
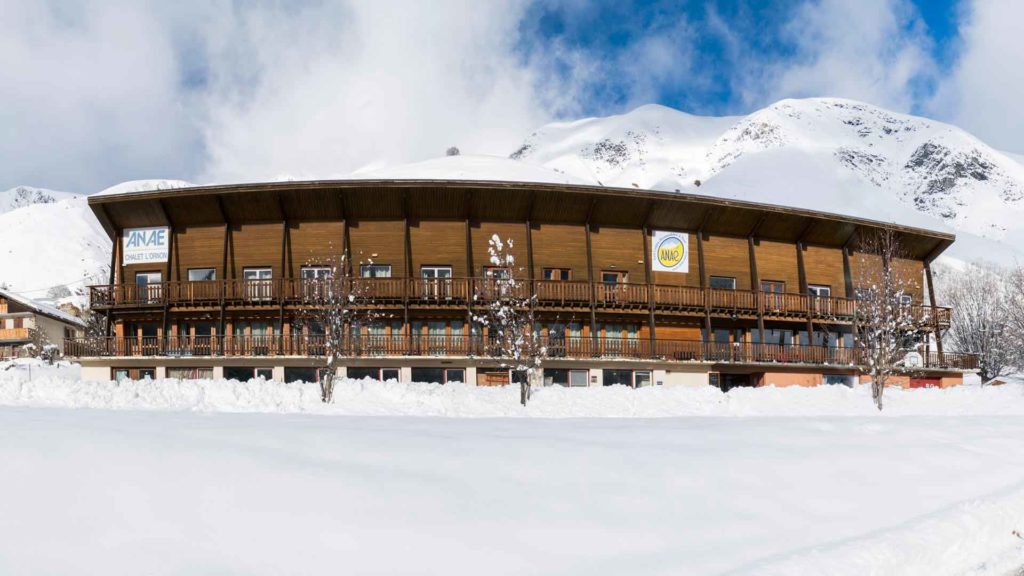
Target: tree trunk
<point>524,387</point>
<point>877,387</point>
<point>327,386</point>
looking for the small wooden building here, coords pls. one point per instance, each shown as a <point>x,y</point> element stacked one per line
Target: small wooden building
<point>25,321</point>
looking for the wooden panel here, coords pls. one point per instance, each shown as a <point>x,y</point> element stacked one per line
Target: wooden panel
<point>776,261</point>
<point>256,246</point>
<point>198,247</point>
<point>728,256</point>
<point>676,331</point>
<point>383,241</point>
<point>560,246</point>
<point>481,234</point>
<point>618,249</point>
<point>866,267</point>
<point>824,266</point>
<point>314,243</point>
<point>442,243</point>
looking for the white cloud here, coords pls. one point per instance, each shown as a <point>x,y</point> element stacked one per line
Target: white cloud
<point>870,50</point>
<point>334,87</point>
<point>89,94</point>
<point>983,93</point>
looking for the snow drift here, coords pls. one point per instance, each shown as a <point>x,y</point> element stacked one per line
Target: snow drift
<point>368,397</point>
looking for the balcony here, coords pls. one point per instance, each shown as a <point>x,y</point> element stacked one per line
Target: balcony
<point>462,292</point>
<point>13,334</point>
<point>474,346</point>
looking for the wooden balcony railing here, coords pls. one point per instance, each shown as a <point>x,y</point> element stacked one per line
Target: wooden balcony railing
<point>460,291</point>
<point>13,334</point>
<point>404,345</point>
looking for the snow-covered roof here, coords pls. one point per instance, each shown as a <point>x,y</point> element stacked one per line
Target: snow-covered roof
<point>42,309</point>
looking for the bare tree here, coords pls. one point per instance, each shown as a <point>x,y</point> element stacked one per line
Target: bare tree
<point>886,326</point>
<point>510,318</point>
<point>333,303</point>
<point>982,314</point>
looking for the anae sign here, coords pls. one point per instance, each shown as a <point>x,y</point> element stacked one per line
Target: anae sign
<point>670,251</point>
<point>143,245</point>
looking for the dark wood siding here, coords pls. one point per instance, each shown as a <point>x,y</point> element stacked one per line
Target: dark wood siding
<point>382,241</point>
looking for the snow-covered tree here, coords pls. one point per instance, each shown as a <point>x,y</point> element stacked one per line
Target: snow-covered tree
<point>986,309</point>
<point>886,326</point>
<point>510,318</point>
<point>452,151</point>
<point>332,304</point>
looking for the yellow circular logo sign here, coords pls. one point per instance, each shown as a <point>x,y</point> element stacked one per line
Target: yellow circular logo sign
<point>670,252</point>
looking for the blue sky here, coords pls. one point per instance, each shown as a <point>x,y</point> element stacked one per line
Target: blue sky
<point>102,91</point>
<point>605,30</point>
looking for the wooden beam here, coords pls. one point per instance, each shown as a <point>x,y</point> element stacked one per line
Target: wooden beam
<point>802,239</point>
<point>704,284</point>
<point>407,241</point>
<point>590,275</point>
<point>470,273</point>
<point>650,285</point>
<point>755,284</point>
<point>935,317</point>
<point>757,228</point>
<point>705,221</point>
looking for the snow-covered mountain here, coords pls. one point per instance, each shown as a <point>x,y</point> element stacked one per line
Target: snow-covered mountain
<point>21,196</point>
<point>824,154</point>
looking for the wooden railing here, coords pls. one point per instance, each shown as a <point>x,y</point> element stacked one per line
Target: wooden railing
<point>13,334</point>
<point>459,291</point>
<point>404,345</point>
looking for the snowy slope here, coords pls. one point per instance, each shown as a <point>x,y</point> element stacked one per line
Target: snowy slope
<point>44,245</point>
<point>144,186</point>
<point>820,153</point>
<point>21,196</point>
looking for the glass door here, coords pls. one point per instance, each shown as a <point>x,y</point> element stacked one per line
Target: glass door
<point>149,285</point>
<point>772,292</point>
<point>437,282</point>
<point>258,285</point>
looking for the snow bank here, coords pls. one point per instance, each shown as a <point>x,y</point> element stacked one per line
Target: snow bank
<point>368,397</point>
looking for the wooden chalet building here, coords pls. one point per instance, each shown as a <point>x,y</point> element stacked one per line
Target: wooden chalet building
<point>25,321</point>
<point>633,286</point>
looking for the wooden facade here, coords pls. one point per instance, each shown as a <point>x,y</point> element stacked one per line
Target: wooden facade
<point>584,251</point>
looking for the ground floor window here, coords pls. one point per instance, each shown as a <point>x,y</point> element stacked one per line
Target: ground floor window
<point>190,373</point>
<point>373,373</point>
<point>244,374</point>
<point>565,377</point>
<point>438,375</point>
<point>631,378</point>
<point>301,374</point>
<point>120,374</point>
<point>838,379</point>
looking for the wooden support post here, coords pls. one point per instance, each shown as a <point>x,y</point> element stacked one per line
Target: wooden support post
<point>590,278</point>
<point>649,275</point>
<point>115,275</point>
<point>935,316</point>
<point>408,257</point>
<point>756,287</point>
<point>285,276</point>
<point>224,284</point>
<point>470,273</point>
<point>704,285</point>
<point>806,295</point>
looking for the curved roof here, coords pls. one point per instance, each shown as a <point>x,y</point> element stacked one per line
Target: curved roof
<point>485,200</point>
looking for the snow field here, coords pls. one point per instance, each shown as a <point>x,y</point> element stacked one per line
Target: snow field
<point>367,397</point>
<point>132,492</point>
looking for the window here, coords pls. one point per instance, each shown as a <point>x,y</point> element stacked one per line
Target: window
<point>612,277</point>
<point>375,270</point>
<point>374,373</point>
<point>722,283</point>
<point>906,299</point>
<point>438,375</point>
<point>258,284</point>
<point>497,273</point>
<point>190,373</point>
<point>641,378</point>
<point>557,274</point>
<point>436,281</point>
<point>149,286</point>
<point>773,291</point>
<point>618,377</point>
<point>819,298</point>
<point>838,379</point>
<point>202,274</point>
<point>565,377</point>
<point>244,374</point>
<point>315,272</point>
<point>819,291</point>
